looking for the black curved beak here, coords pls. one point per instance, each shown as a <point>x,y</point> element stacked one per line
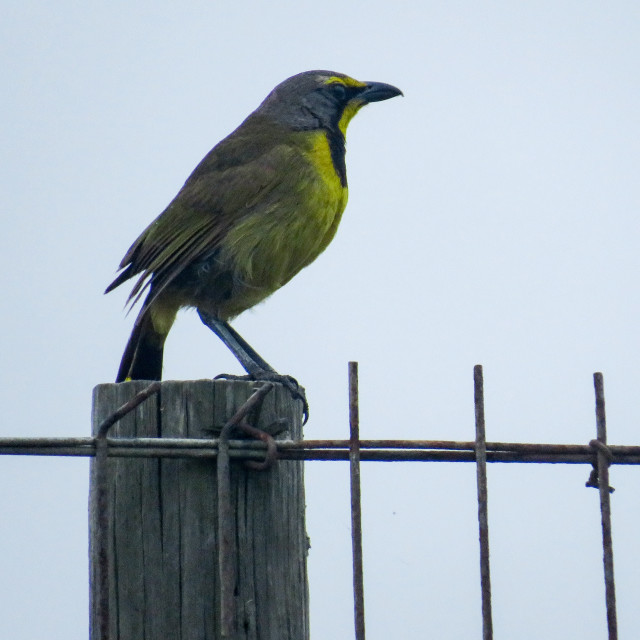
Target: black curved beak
<point>377,91</point>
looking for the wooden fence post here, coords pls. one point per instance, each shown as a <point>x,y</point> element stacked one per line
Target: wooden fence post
<point>162,530</point>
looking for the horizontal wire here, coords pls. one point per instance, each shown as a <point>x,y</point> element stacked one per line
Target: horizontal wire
<point>372,450</point>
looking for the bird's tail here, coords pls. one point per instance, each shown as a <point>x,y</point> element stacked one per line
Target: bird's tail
<point>142,358</point>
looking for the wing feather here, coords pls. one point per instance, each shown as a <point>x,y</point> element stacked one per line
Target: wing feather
<point>222,191</point>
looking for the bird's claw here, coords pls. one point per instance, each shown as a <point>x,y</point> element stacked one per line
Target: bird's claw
<point>289,382</point>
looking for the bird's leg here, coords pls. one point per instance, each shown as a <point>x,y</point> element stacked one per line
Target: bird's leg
<point>251,361</point>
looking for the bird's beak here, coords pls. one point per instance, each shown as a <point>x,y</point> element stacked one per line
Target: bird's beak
<point>377,91</point>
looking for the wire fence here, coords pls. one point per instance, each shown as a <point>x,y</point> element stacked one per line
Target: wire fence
<point>263,451</point>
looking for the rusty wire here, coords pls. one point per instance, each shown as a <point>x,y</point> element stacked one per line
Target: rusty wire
<point>263,451</point>
<point>370,450</point>
<point>483,513</point>
<point>356,503</point>
<point>604,459</point>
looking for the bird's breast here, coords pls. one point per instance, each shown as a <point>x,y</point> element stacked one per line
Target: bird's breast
<point>289,230</point>
<point>328,192</point>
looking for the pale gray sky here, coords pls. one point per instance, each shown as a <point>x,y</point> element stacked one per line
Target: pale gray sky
<point>493,219</point>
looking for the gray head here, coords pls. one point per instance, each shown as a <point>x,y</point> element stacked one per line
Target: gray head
<point>322,99</point>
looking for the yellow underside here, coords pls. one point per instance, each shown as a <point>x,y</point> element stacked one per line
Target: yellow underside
<point>272,246</point>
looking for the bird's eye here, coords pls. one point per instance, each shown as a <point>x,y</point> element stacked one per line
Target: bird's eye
<point>339,91</point>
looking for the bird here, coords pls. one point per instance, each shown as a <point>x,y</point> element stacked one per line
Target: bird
<point>262,204</point>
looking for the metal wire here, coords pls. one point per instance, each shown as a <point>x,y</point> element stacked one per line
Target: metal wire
<point>605,506</point>
<point>483,513</point>
<point>597,453</point>
<point>370,450</point>
<point>356,504</point>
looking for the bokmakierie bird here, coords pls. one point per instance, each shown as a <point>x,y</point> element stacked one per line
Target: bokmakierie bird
<point>261,206</point>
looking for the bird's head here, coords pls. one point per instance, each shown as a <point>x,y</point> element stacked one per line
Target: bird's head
<point>322,100</point>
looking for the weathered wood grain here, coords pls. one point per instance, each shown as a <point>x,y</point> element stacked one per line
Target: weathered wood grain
<point>163,524</point>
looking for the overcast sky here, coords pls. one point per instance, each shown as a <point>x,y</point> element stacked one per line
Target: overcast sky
<point>493,219</point>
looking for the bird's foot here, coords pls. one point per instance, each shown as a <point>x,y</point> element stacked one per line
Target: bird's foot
<point>289,382</point>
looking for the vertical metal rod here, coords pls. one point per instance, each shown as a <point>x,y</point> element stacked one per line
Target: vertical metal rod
<point>605,508</point>
<point>356,507</point>
<point>483,513</point>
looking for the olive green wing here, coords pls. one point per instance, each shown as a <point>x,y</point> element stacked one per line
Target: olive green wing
<point>219,194</point>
